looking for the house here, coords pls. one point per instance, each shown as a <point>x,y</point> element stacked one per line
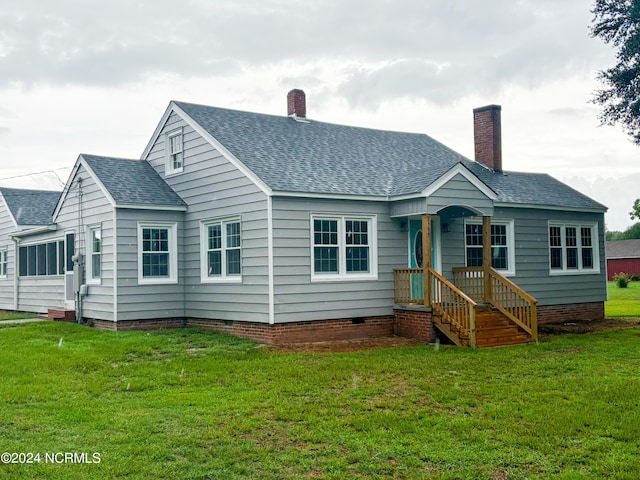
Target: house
<point>623,256</point>
<point>286,229</point>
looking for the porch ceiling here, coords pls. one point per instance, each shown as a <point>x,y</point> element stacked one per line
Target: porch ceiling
<point>459,211</point>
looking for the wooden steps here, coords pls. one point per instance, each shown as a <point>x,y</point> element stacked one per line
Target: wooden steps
<point>493,329</point>
<point>61,314</point>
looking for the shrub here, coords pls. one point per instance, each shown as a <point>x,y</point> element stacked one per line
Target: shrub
<point>634,277</point>
<point>622,280</point>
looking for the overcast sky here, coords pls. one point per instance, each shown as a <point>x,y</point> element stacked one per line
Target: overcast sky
<point>81,76</point>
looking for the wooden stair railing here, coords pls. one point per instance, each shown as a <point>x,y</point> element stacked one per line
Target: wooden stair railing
<point>456,310</point>
<point>505,296</point>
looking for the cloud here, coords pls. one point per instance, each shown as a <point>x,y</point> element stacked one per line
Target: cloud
<point>470,45</point>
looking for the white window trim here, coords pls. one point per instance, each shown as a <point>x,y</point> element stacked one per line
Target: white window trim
<point>4,260</point>
<point>342,275</point>
<point>595,246</point>
<point>173,254</point>
<point>89,256</point>
<point>204,240</point>
<point>511,242</point>
<point>169,170</point>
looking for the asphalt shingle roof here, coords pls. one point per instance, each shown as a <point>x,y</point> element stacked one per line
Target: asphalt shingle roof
<point>31,207</point>
<point>623,249</point>
<point>133,182</point>
<point>316,157</point>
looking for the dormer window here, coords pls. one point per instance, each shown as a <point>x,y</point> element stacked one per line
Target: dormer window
<point>175,159</point>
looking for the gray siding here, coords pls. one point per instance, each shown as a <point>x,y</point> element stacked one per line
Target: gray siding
<point>6,284</point>
<point>214,188</point>
<point>75,215</point>
<point>39,293</point>
<point>460,192</point>
<point>532,256</point>
<point>136,301</point>
<point>297,298</point>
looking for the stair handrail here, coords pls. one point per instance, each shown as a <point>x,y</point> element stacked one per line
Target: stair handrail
<point>515,303</point>
<point>454,306</point>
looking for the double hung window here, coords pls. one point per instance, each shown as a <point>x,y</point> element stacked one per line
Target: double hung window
<point>343,247</point>
<point>174,152</point>
<point>94,255</point>
<point>157,253</point>
<point>221,252</point>
<point>572,248</point>
<point>3,261</point>
<point>502,245</point>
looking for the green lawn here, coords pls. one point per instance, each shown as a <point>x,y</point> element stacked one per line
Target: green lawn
<point>4,315</point>
<point>190,404</point>
<point>623,302</point>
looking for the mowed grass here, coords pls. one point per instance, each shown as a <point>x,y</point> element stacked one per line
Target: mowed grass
<point>191,404</point>
<point>623,302</point>
<point>6,315</point>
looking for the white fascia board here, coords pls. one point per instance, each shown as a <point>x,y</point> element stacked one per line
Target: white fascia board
<point>80,162</point>
<point>156,132</point>
<point>34,231</point>
<point>332,196</point>
<point>246,171</point>
<point>95,178</point>
<point>6,205</point>
<point>65,190</point>
<point>466,173</point>
<point>172,208</point>
<point>209,138</point>
<point>549,207</point>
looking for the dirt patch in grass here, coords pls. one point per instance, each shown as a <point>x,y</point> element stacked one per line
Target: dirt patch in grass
<point>588,326</point>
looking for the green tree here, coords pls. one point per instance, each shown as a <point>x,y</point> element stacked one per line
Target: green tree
<point>633,232</point>
<point>635,212</point>
<point>618,22</point>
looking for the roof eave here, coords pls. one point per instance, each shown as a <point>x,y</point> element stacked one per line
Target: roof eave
<point>34,231</point>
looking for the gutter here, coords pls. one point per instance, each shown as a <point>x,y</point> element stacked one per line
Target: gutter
<point>34,231</point>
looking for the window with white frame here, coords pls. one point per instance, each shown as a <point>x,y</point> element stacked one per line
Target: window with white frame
<point>572,248</point>
<point>157,253</point>
<point>502,245</point>
<point>41,259</point>
<point>94,262</point>
<point>221,250</point>
<point>174,152</point>
<point>343,247</point>
<point>4,252</point>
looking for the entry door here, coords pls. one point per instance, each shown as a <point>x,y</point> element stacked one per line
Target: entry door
<point>415,244</point>
<point>69,251</point>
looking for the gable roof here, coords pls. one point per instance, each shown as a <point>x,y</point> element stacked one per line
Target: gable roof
<point>303,156</point>
<point>622,249</point>
<point>30,207</point>
<point>132,183</point>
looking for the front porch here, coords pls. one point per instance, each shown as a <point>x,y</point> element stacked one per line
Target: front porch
<point>480,308</point>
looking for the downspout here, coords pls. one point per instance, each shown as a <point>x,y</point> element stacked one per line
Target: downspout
<point>16,270</point>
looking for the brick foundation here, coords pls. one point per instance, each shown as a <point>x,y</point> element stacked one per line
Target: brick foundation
<point>570,312</point>
<point>414,323</point>
<point>137,324</point>
<point>295,332</point>
<point>299,332</point>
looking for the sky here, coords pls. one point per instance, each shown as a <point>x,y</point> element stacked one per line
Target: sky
<point>82,76</point>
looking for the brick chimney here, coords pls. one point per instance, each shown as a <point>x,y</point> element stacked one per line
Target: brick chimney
<point>296,104</point>
<point>487,136</point>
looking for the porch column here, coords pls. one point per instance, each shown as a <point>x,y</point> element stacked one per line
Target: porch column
<point>426,258</point>
<point>486,258</point>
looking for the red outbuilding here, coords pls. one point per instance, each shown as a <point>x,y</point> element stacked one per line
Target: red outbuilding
<point>623,256</point>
